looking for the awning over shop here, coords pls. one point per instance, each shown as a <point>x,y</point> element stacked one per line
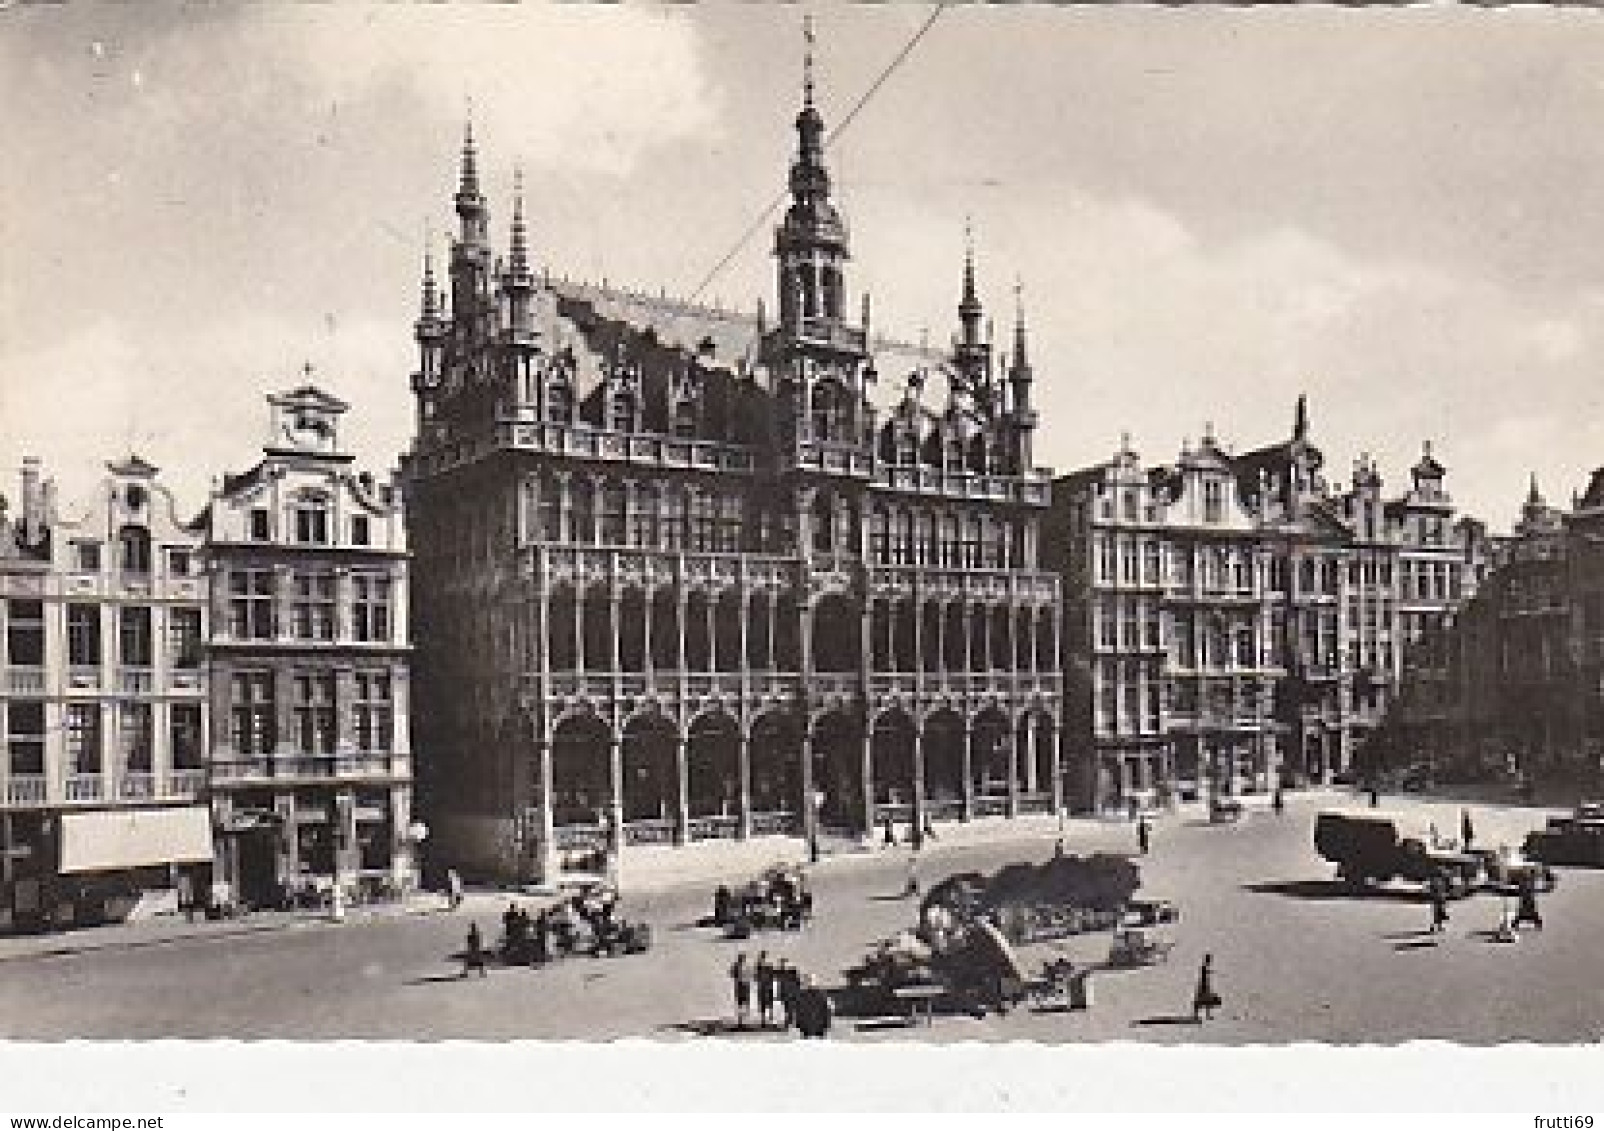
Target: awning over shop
<point>135,838</point>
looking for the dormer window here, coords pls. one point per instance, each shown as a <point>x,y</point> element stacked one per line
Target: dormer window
<point>559,404</point>
<point>622,418</point>
<point>311,521</point>
<point>133,544</point>
<point>260,527</point>
<point>1213,501</point>
<point>361,533</point>
<point>178,563</point>
<point>86,557</point>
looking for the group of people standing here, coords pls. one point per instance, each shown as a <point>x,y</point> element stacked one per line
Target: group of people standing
<point>768,986</point>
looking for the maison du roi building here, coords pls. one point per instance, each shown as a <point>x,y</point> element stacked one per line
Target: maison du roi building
<point>1235,622</point>
<point>215,705</point>
<point>680,576</point>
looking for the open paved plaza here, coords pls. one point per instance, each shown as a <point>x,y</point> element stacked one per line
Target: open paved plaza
<point>1296,958</point>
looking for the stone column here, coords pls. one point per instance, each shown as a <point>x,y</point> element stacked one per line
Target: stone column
<point>615,805</point>
<point>867,762</point>
<point>919,779</point>
<point>1017,741</point>
<point>967,755</point>
<point>743,828</point>
<point>682,779</point>
<point>810,811</point>
<point>546,851</point>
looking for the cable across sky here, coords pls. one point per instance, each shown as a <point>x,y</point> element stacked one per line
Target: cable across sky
<point>830,139</point>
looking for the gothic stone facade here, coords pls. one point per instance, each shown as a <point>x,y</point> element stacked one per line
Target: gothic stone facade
<point>679,578</point>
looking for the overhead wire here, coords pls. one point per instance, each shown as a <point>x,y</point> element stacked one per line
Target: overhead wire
<point>830,139</point>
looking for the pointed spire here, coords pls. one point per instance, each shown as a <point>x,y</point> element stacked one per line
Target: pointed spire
<point>468,186</point>
<point>1021,357</point>
<point>807,59</point>
<point>1300,419</point>
<point>1534,497</point>
<point>867,310</point>
<point>969,302</point>
<point>431,292</point>
<point>520,243</point>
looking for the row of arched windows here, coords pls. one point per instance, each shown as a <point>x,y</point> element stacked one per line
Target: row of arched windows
<point>674,630</point>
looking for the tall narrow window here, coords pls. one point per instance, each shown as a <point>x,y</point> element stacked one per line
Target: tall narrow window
<point>312,712</point>
<point>184,638</point>
<point>253,726</point>
<point>25,633</point>
<point>370,607</point>
<point>83,738</point>
<point>185,731</point>
<point>250,604</point>
<point>134,737</point>
<point>83,636</point>
<point>374,712</point>
<point>133,546</point>
<point>312,611</point>
<point>312,521</point>
<point>133,636</point>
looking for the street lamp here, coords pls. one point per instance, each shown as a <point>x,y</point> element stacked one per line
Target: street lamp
<point>816,801</point>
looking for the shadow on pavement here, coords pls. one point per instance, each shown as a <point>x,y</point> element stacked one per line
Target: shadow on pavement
<point>717,1027</point>
<point>1168,1019</point>
<point>896,897</point>
<point>1332,889</point>
<point>434,979</point>
<point>1417,944</point>
<point>1394,936</point>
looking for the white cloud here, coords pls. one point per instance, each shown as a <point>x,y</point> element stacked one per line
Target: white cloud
<point>575,87</point>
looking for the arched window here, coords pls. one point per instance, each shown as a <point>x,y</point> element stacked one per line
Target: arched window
<point>831,279</point>
<point>810,291</point>
<point>559,403</point>
<point>823,523</point>
<point>622,413</point>
<point>584,512</point>
<point>829,418</point>
<point>133,545</point>
<point>684,422</point>
<point>612,513</point>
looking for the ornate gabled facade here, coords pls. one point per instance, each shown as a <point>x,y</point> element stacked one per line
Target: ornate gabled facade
<point>310,759</point>
<point>1234,622</point>
<point>101,701</point>
<point>680,577</point>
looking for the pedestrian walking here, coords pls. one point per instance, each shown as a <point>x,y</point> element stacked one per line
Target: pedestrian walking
<point>1144,834</point>
<point>911,887</point>
<point>890,832</point>
<point>1205,1000</point>
<point>930,829</point>
<point>1375,797</point>
<point>1439,905</point>
<point>473,958</point>
<point>763,975</point>
<point>453,888</point>
<point>1526,913</point>
<point>1278,801</point>
<point>812,1011</point>
<point>539,941</point>
<point>1467,831</point>
<point>741,983</point>
<point>788,984</point>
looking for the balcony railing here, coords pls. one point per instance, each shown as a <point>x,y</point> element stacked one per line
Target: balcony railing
<point>991,806</point>
<point>1033,803</point>
<point>86,787</point>
<point>715,828</point>
<point>136,786</point>
<point>657,831</point>
<point>775,824</point>
<point>184,783</point>
<point>26,681</point>
<point>135,681</point>
<point>25,789</point>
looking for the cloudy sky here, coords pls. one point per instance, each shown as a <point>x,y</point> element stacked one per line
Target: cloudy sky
<point>1399,212</point>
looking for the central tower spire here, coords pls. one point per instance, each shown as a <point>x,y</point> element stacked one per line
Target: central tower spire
<point>811,242</point>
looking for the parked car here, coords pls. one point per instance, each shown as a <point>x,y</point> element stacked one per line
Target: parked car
<point>1574,839</point>
<point>1373,847</point>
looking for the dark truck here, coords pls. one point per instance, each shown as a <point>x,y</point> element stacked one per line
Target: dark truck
<point>1371,847</point>
<point>1574,839</point>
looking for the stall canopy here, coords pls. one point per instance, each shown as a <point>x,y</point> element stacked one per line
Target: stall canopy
<point>135,838</point>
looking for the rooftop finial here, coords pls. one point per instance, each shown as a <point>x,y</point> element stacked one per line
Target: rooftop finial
<point>520,243</point>
<point>1300,419</point>
<point>431,293</point>
<point>807,59</point>
<point>470,158</point>
<point>1534,497</point>
<point>1021,361</point>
